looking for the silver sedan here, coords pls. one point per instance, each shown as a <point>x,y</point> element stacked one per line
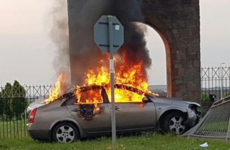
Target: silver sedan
<point>67,119</point>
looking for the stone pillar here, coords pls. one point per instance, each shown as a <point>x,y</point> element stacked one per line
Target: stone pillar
<point>178,23</point>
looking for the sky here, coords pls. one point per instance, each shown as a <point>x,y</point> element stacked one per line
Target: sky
<point>27,52</point>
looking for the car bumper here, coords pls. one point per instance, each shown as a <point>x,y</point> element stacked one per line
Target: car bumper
<point>192,119</point>
<point>41,134</point>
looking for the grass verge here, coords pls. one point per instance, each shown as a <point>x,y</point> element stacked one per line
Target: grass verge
<point>149,141</point>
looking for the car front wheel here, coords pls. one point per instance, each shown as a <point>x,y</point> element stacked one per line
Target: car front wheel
<point>65,133</point>
<point>174,123</point>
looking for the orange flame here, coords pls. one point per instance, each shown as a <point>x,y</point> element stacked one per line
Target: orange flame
<point>57,90</point>
<point>127,74</point>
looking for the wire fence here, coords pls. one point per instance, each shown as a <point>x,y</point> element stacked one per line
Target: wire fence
<point>215,81</point>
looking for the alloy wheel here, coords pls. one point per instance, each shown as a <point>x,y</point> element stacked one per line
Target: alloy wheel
<point>176,125</point>
<point>65,134</point>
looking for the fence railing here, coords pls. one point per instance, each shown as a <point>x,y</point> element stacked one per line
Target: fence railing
<point>31,91</point>
<point>13,119</point>
<point>215,124</point>
<point>216,81</point>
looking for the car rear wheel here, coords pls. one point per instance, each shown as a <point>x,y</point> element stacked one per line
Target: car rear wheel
<point>65,133</point>
<point>174,123</point>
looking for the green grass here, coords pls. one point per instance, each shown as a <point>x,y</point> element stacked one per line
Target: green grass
<point>142,142</point>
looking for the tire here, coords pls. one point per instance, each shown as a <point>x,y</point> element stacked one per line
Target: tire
<point>174,123</point>
<point>65,133</point>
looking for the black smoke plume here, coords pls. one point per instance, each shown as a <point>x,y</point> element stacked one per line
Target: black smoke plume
<point>83,52</point>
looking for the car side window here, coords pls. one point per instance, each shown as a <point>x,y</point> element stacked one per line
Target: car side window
<point>124,95</point>
<point>90,97</point>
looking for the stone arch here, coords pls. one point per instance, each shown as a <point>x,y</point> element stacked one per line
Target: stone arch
<point>178,24</point>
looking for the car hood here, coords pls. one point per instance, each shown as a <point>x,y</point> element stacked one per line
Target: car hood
<point>172,101</point>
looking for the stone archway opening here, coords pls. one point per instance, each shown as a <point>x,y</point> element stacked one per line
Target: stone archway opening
<point>157,73</point>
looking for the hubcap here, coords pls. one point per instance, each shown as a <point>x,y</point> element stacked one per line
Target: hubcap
<point>175,125</point>
<point>65,134</point>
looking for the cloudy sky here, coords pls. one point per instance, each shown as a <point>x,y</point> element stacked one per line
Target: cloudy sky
<point>27,52</point>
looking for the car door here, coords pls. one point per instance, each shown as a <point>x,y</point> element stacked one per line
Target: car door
<point>92,117</point>
<point>136,115</point>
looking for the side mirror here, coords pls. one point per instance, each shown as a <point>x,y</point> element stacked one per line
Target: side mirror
<point>145,100</point>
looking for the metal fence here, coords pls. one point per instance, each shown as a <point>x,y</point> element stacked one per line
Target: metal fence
<point>12,118</point>
<point>214,80</point>
<point>216,122</point>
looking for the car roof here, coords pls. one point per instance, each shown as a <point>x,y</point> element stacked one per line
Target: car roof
<point>95,87</point>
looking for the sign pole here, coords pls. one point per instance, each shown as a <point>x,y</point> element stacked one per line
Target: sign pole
<point>109,37</point>
<point>113,120</point>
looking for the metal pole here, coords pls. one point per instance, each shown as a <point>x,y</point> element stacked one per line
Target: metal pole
<point>113,117</point>
<point>221,80</point>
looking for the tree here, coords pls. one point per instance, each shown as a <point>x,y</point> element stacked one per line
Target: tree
<point>1,105</point>
<point>19,102</point>
<point>7,98</point>
<point>14,101</point>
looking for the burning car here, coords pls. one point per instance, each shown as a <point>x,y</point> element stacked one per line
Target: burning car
<point>86,112</point>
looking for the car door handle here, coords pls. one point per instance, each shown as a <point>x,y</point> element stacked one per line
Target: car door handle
<point>116,107</point>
